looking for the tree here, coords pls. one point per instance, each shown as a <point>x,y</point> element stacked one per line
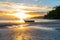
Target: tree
<point>54,14</point>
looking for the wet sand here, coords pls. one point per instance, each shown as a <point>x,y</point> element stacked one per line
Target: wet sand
<point>29,33</point>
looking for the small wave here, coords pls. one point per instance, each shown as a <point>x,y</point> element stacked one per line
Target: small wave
<point>43,28</point>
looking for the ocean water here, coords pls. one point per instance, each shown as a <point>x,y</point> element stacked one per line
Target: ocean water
<point>41,29</point>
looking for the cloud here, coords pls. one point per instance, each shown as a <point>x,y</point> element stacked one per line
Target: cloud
<point>7,6</point>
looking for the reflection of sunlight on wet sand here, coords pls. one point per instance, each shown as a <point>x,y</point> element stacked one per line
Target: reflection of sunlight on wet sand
<point>22,33</point>
<point>27,33</point>
<point>15,33</point>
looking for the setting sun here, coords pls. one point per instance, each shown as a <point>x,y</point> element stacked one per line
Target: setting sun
<point>20,15</point>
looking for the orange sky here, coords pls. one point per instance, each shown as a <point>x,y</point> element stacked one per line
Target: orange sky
<point>9,8</point>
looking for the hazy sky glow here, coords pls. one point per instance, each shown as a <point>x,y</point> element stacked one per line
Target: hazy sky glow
<point>50,3</point>
<point>22,7</point>
<point>35,6</point>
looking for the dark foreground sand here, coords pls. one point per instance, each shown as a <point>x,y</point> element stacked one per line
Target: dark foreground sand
<point>29,33</point>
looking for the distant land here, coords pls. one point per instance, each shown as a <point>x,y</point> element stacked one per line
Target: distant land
<point>54,14</point>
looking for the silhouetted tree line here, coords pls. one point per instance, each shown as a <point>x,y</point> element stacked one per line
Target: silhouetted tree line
<point>54,14</point>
